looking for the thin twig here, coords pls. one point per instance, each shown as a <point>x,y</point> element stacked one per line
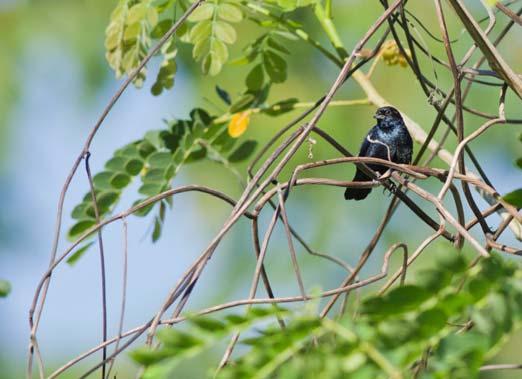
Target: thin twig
<point>123,293</point>
<point>102,259</point>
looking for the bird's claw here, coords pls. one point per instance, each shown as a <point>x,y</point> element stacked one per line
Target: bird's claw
<point>392,188</point>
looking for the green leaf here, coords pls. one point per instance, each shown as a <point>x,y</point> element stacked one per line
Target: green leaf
<point>196,155</point>
<point>162,369</point>
<point>433,280</point>
<point>161,28</point>
<point>129,151</point>
<point>245,59</point>
<point>478,287</point>
<point>223,95</point>
<point>160,160</point>
<point>261,95</point>
<point>131,34</point>
<point>209,325</point>
<point>431,322</point>
<point>275,66</point>
<point>116,164</point>
<point>398,300</point>
<point>156,233</point>
<point>120,180</point>
<point>165,78</point>
<point>152,17</point>
<point>178,339</point>
<point>106,200</point>
<point>229,12</point>
<point>455,303</point>
<point>145,148</point>
<point>219,50</point>
<point>242,103</point>
<point>290,5</point>
<point>281,107</point>
<point>151,189</point>
<point>200,31</point>
<point>514,198</point>
<point>287,35</point>
<point>204,12</point>
<point>79,211</point>
<point>211,64</point>
<point>452,261</point>
<point>133,167</point>
<point>201,49</point>
<point>102,180</point>
<point>136,13</point>
<point>225,32</point>
<point>147,355</point>
<point>236,320</point>
<point>80,227</point>
<point>223,143</point>
<point>170,171</point>
<point>153,137</point>
<point>277,46</point>
<point>394,332</point>
<point>243,151</point>
<point>261,312</point>
<point>354,361</point>
<point>255,78</point>
<point>79,253</point>
<point>143,211</point>
<point>156,175</point>
<point>408,296</point>
<point>519,162</point>
<point>5,288</point>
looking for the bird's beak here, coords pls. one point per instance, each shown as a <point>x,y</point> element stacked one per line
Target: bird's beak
<point>378,117</point>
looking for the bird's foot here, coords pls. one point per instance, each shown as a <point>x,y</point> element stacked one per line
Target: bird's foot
<point>392,189</point>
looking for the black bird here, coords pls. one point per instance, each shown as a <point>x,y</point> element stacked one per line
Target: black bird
<point>389,140</point>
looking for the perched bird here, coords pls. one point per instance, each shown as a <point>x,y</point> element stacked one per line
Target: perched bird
<point>389,140</point>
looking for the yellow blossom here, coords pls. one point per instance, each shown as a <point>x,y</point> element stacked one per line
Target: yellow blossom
<point>238,124</point>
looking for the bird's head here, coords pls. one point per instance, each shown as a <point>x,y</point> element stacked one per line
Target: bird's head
<point>388,117</point>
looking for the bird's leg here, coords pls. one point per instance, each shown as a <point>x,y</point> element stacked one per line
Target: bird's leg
<point>385,176</point>
<point>393,188</point>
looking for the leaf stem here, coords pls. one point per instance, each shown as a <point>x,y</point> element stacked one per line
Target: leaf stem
<point>328,8</point>
<point>305,104</point>
<point>329,27</point>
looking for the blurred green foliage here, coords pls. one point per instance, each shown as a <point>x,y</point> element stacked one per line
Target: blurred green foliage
<point>443,324</point>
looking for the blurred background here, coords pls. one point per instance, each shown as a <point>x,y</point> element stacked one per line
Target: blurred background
<point>54,82</point>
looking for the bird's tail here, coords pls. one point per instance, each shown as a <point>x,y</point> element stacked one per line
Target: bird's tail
<point>358,193</point>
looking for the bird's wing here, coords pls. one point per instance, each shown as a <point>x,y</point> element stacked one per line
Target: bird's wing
<point>410,145</point>
<point>363,152</point>
<point>408,157</point>
<point>407,149</point>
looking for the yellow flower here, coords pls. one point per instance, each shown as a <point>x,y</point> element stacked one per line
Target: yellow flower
<point>391,55</point>
<point>238,124</point>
